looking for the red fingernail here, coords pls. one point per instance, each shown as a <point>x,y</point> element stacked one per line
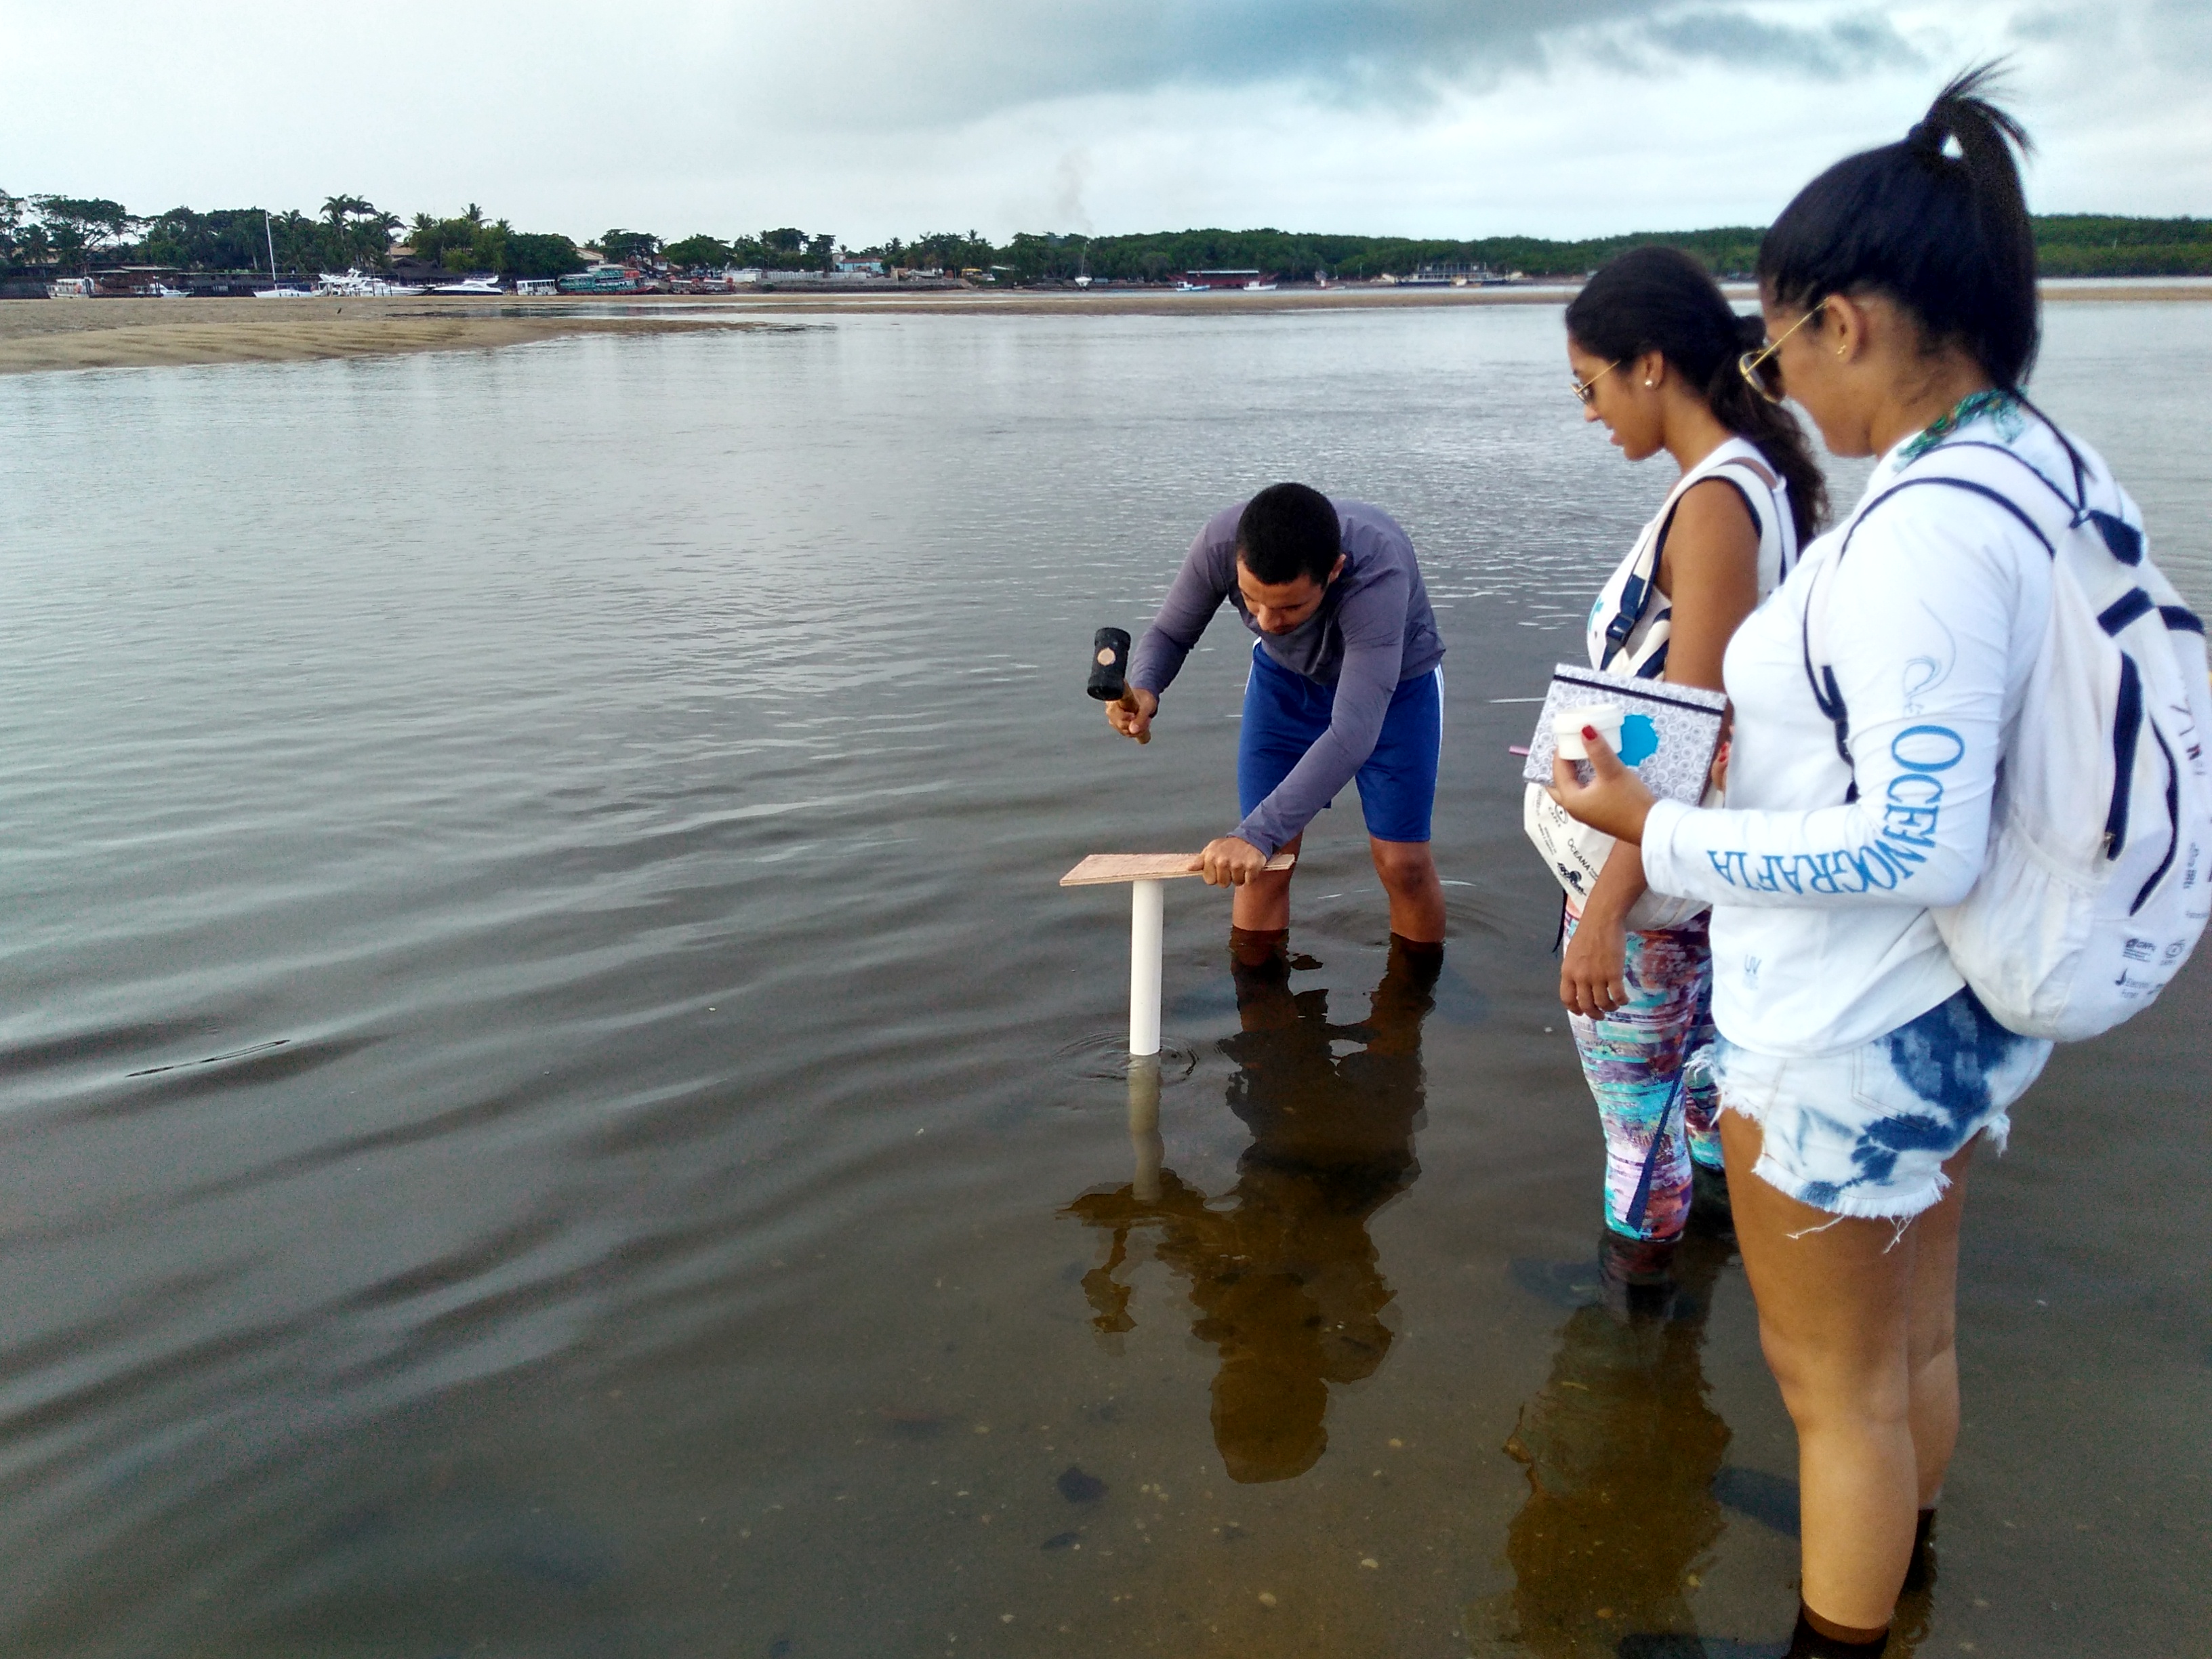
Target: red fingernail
<point>1589,731</point>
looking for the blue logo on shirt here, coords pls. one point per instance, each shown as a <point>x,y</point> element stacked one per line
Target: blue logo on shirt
<point>1639,739</point>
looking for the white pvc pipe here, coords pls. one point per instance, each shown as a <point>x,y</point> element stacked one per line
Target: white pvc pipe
<point>1147,910</point>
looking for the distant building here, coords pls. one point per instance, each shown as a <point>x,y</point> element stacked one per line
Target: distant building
<point>854,265</point>
<point>1444,274</point>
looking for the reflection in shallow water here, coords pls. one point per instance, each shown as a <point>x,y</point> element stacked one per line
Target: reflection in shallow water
<point>1280,1270</point>
<point>640,834</point>
<point>1622,1447</point>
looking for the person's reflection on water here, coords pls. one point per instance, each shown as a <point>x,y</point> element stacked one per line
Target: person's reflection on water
<point>1622,1447</point>
<point>1281,1270</point>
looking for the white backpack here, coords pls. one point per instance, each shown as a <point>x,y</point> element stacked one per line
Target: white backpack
<point>2096,885</point>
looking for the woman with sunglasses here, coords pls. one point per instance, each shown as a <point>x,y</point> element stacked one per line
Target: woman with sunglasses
<point>1857,1069</point>
<point>1654,349</point>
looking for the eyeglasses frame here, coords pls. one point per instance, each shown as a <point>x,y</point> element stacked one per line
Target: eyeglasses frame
<point>1748,364</point>
<point>1586,391</point>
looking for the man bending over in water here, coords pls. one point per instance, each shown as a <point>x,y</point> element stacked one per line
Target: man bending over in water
<point>1345,684</point>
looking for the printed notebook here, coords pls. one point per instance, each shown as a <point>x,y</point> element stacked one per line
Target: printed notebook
<point>1667,733</point>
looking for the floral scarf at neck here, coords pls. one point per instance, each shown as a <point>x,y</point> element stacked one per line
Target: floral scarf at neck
<point>2001,405</point>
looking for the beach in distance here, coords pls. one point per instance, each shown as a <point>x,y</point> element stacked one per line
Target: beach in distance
<point>37,335</point>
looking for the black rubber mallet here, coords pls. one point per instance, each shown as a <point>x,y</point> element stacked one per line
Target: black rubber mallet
<point>1109,668</point>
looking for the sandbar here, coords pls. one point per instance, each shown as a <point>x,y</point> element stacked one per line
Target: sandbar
<point>39,335</point>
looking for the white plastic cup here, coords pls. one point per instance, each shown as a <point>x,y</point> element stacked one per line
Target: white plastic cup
<point>1567,728</point>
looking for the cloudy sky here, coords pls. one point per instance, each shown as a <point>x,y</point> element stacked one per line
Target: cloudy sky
<point>876,117</point>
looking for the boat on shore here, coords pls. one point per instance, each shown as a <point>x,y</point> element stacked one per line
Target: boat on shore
<point>277,290</point>
<point>358,284</point>
<point>477,285</point>
<point>602,279</point>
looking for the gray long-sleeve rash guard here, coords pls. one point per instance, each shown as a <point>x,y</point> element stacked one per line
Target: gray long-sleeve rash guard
<point>1374,631</point>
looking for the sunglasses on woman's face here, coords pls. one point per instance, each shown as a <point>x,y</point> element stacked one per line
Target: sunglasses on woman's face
<point>1762,370</point>
<point>1586,391</point>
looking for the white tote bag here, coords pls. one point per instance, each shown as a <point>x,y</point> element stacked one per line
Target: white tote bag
<point>1628,637</point>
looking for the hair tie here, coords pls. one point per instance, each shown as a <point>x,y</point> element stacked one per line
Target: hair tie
<point>1928,138</point>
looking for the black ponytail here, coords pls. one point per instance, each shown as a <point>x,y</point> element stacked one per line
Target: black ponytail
<point>1937,222</point>
<point>1659,299</point>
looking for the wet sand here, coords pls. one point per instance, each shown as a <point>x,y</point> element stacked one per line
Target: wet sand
<point>61,334</point>
<point>49,334</point>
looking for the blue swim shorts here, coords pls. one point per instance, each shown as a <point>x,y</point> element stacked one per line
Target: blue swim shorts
<point>1866,1132</point>
<point>1284,713</point>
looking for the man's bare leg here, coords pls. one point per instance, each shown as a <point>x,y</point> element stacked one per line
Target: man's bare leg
<point>1262,905</point>
<point>1417,897</point>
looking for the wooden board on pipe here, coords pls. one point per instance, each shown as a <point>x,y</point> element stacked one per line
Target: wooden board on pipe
<point>1103,869</point>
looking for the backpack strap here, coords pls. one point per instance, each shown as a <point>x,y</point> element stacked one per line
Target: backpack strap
<point>2127,732</point>
<point>1642,582</point>
<point>1768,483</point>
<point>1821,675</point>
<point>1635,593</point>
<point>2172,813</point>
<point>2121,539</point>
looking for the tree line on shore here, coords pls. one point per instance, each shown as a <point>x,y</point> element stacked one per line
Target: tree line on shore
<point>83,235</point>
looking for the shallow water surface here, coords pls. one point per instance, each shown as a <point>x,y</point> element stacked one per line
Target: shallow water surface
<point>552,1105</point>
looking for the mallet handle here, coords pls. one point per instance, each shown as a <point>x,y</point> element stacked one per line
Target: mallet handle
<point>1129,701</point>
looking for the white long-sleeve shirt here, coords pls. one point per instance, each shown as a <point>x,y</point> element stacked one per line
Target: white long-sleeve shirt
<point>1820,931</point>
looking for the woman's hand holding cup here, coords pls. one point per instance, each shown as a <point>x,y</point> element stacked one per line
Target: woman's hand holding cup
<point>1615,800</point>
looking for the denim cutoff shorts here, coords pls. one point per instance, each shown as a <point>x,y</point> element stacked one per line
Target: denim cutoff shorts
<point>1866,1132</point>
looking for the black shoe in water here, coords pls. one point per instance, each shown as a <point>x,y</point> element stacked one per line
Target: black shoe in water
<point>1636,1276</point>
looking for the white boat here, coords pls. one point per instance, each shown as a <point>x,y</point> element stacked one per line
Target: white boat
<point>358,284</point>
<point>470,285</point>
<point>277,290</point>
<point>70,288</point>
<point>163,291</point>
<point>1258,287</point>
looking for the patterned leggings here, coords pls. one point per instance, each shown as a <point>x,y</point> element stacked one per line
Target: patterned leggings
<point>1634,1058</point>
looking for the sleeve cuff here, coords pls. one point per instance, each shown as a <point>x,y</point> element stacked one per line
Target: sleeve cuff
<point>1248,831</point>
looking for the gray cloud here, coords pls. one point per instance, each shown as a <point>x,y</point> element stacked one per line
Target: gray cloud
<point>965,58</point>
<point>879,117</point>
<point>1833,50</point>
